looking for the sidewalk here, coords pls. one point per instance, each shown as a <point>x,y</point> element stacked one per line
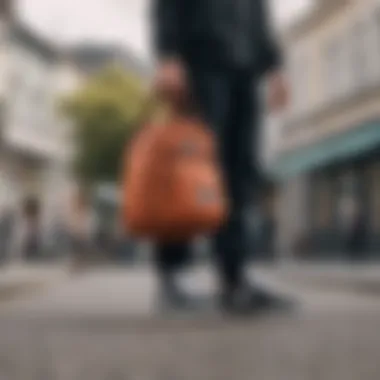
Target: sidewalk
<point>21,279</point>
<point>104,325</point>
<point>134,288</point>
<point>360,278</point>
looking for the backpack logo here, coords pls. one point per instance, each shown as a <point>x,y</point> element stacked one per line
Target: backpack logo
<point>189,148</point>
<point>206,195</point>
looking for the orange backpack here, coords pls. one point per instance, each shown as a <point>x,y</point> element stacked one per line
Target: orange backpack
<point>172,185</point>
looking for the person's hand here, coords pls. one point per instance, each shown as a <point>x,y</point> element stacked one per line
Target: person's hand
<point>278,92</point>
<point>171,81</point>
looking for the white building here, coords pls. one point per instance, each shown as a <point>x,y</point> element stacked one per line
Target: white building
<point>35,139</point>
<point>328,148</point>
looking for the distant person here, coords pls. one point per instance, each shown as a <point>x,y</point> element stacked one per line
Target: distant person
<point>31,219</point>
<point>58,238</point>
<point>218,51</point>
<point>7,224</point>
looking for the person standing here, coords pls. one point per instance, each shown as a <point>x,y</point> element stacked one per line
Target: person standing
<point>218,51</point>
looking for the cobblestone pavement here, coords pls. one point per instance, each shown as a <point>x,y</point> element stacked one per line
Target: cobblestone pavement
<point>103,327</point>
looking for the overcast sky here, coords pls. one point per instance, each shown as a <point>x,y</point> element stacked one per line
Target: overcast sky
<point>121,21</point>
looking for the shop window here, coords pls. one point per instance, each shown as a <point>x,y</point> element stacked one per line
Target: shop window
<point>375,190</point>
<point>349,184</point>
<point>323,209</point>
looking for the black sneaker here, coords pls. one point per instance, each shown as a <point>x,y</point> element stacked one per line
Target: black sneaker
<point>259,300</point>
<point>231,304</point>
<point>250,301</point>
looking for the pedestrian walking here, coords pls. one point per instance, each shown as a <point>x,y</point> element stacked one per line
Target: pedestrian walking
<point>7,224</point>
<point>219,51</point>
<point>32,240</point>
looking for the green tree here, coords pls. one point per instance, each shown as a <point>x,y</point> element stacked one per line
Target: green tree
<point>105,113</point>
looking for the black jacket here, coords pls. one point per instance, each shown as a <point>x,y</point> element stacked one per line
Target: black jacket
<point>232,33</point>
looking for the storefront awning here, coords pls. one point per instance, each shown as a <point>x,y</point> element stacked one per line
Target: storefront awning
<point>343,146</point>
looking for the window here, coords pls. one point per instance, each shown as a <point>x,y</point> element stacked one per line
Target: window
<point>375,189</point>
<point>359,59</point>
<point>334,68</point>
<point>330,66</point>
<point>374,43</point>
<point>377,22</point>
<point>298,74</point>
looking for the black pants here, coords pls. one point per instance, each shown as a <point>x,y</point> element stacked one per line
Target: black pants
<point>227,101</point>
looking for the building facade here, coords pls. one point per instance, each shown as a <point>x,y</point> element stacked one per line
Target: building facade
<point>36,145</point>
<point>328,151</point>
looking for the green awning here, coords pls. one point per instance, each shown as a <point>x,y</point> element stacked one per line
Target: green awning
<point>337,148</point>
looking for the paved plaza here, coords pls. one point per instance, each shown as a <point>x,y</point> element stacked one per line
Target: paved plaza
<point>104,325</point>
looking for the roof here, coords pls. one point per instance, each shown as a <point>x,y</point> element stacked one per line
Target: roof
<point>28,37</point>
<point>321,10</point>
<point>92,56</point>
